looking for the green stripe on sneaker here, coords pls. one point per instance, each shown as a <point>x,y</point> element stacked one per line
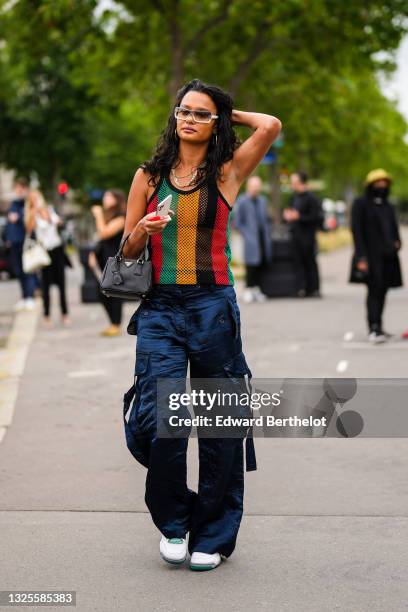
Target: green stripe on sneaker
<point>201,567</point>
<point>175,541</point>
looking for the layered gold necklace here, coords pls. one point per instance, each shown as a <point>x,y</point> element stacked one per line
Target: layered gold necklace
<point>192,174</point>
<point>176,178</point>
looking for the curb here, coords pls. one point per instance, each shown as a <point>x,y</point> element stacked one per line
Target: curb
<point>12,362</point>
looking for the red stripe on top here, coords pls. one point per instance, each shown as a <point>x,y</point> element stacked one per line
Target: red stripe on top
<point>218,243</point>
<point>156,244</point>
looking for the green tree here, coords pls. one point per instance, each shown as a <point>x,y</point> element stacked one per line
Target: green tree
<point>84,95</point>
<point>44,118</point>
<point>312,64</point>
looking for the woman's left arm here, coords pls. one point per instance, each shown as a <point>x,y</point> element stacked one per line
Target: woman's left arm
<point>251,152</point>
<point>107,230</point>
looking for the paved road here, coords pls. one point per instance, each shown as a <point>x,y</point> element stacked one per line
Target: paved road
<point>326,520</point>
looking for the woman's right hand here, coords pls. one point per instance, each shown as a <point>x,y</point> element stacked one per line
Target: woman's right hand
<point>13,217</point>
<point>362,265</point>
<point>154,227</point>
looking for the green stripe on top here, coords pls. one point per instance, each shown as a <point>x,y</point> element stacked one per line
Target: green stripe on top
<point>168,273</point>
<point>228,251</point>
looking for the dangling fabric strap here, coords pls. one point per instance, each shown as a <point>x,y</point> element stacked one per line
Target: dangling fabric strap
<point>250,457</point>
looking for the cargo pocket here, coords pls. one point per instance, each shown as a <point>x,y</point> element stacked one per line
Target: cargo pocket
<point>239,373</point>
<point>236,318</point>
<point>137,441</point>
<point>142,363</point>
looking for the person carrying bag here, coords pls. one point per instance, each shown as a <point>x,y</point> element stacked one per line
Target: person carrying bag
<point>42,219</point>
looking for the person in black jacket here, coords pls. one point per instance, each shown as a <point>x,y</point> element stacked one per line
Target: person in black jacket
<point>304,217</point>
<point>109,221</point>
<point>376,242</point>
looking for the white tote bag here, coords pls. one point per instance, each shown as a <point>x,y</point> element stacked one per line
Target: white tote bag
<point>35,256</point>
<point>47,232</point>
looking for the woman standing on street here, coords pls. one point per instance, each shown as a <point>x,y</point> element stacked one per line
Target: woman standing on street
<point>377,242</point>
<point>252,220</point>
<point>191,315</point>
<point>42,218</point>
<point>110,221</point>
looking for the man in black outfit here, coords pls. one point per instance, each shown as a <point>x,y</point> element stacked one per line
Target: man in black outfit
<point>304,217</point>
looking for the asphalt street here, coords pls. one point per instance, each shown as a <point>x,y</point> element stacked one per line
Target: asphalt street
<point>326,520</point>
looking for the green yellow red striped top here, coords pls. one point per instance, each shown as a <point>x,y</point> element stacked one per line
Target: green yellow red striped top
<point>194,247</point>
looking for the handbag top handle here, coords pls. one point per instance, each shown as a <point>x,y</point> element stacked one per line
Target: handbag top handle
<point>119,254</point>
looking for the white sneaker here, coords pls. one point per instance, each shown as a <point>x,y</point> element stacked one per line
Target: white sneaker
<point>248,296</point>
<point>259,296</point>
<point>20,305</point>
<point>173,550</point>
<point>376,337</point>
<point>29,304</point>
<point>202,561</point>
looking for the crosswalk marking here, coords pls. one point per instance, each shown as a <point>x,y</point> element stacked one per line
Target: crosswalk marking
<point>342,366</point>
<point>86,373</point>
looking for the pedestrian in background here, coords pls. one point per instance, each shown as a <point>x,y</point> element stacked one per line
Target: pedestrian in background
<point>376,242</point>
<point>14,235</point>
<point>110,221</point>
<point>251,219</point>
<point>304,217</point>
<point>42,219</point>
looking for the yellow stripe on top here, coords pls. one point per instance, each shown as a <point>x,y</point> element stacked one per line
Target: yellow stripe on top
<point>187,217</point>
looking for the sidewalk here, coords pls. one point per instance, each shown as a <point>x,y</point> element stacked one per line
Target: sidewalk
<point>10,293</point>
<point>17,331</point>
<point>326,520</point>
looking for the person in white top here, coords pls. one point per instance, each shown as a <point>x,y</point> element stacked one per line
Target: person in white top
<point>42,218</point>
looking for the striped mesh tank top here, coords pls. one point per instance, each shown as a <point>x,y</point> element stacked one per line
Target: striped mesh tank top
<point>194,247</point>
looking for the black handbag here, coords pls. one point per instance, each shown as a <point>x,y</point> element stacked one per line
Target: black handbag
<point>356,275</point>
<point>127,278</point>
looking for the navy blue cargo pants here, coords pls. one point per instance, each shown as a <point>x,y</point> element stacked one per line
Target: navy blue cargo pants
<point>200,325</point>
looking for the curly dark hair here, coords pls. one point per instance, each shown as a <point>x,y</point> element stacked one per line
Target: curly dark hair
<point>218,153</point>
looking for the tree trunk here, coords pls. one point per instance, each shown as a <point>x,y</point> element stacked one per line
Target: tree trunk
<point>51,189</point>
<point>176,50</point>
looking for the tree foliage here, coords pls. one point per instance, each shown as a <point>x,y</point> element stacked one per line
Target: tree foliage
<point>86,92</point>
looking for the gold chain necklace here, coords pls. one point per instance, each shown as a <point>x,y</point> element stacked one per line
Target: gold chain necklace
<point>185,176</point>
<point>176,178</point>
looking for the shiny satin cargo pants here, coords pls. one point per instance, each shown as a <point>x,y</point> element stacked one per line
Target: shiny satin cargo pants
<point>177,325</point>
